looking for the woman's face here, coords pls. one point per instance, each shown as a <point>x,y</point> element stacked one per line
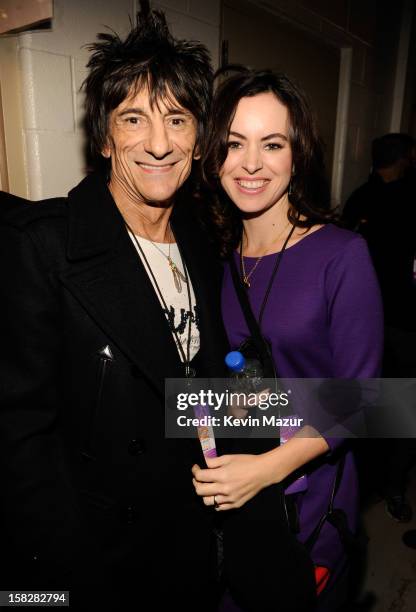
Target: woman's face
<point>258,167</point>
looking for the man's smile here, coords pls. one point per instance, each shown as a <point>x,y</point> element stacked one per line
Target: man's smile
<point>155,168</point>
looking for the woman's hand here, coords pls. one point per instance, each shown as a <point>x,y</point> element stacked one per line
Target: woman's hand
<point>232,479</point>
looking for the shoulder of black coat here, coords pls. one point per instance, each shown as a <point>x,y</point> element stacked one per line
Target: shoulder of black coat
<point>26,213</point>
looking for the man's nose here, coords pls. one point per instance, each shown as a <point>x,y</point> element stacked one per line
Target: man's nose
<point>252,160</point>
<point>158,143</point>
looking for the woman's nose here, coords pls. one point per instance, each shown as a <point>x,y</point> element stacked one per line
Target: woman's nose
<point>252,160</point>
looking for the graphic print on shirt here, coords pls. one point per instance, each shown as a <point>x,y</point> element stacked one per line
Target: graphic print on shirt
<point>177,313</point>
<point>179,322</point>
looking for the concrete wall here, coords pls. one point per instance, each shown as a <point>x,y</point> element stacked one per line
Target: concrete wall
<point>371,30</point>
<point>12,123</point>
<point>51,67</point>
<point>41,73</point>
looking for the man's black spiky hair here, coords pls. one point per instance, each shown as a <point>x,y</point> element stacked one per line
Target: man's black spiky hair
<point>148,57</point>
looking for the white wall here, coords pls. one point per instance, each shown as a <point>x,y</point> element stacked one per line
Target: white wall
<point>52,68</point>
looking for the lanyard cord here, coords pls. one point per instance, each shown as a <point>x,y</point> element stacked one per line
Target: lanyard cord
<point>275,269</point>
<point>185,357</point>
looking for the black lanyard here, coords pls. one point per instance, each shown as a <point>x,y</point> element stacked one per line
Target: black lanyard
<point>189,372</point>
<point>275,269</point>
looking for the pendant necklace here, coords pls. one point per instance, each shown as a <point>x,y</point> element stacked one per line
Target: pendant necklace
<point>245,276</point>
<point>186,357</point>
<point>178,276</point>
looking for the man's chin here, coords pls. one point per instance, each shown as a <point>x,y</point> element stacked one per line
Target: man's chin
<point>160,203</point>
<point>159,199</point>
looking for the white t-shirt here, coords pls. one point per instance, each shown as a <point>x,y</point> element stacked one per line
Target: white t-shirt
<point>177,303</point>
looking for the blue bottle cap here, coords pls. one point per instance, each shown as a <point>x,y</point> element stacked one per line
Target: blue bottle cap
<point>235,361</point>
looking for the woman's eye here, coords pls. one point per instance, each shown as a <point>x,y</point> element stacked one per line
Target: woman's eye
<point>273,146</point>
<point>232,144</point>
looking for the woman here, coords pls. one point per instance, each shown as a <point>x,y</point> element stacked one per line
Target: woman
<point>322,317</point>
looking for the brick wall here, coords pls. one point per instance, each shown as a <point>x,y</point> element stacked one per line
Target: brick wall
<point>51,65</point>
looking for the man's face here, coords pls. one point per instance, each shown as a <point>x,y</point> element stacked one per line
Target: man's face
<point>151,149</point>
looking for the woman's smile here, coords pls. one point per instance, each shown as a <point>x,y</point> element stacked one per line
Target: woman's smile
<point>251,186</point>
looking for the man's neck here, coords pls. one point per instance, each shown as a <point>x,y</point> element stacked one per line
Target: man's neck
<point>144,219</point>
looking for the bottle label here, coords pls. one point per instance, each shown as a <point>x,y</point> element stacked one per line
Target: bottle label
<point>205,433</point>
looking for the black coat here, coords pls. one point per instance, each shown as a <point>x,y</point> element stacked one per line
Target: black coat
<point>88,474</point>
<point>9,201</point>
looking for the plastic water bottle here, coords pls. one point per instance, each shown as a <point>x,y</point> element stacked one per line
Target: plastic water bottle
<point>246,373</point>
<point>247,377</point>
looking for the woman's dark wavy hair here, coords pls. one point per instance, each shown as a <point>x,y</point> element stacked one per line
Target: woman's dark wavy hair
<point>309,187</point>
<point>176,70</point>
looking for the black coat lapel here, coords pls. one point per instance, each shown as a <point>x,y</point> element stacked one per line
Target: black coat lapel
<point>205,272</point>
<point>106,275</point>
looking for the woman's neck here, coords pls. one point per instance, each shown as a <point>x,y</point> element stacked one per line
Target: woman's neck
<point>266,232</point>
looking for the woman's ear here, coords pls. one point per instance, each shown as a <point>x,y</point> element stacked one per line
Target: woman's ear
<point>106,151</point>
<point>197,154</point>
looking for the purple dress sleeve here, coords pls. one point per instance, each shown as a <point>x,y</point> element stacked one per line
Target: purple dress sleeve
<point>355,313</point>
<point>355,316</point>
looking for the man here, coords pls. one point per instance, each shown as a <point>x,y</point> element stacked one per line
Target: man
<point>108,293</point>
<point>383,210</point>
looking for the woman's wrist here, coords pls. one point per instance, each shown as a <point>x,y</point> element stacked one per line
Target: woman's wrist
<point>283,460</point>
<point>271,467</point>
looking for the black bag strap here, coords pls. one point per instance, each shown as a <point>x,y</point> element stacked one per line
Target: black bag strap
<point>254,326</point>
<point>329,514</point>
<point>335,516</point>
<point>260,343</point>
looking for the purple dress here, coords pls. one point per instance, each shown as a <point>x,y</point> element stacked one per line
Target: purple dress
<point>323,319</point>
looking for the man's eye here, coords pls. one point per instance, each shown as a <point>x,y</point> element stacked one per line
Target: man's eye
<point>177,121</point>
<point>132,120</point>
<point>233,144</point>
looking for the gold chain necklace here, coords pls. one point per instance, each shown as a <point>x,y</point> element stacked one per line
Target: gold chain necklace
<point>178,277</point>
<point>246,276</point>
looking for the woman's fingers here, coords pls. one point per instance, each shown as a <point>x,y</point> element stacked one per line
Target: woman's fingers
<point>204,489</point>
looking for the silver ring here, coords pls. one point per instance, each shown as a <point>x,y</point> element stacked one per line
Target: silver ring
<point>216,504</point>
